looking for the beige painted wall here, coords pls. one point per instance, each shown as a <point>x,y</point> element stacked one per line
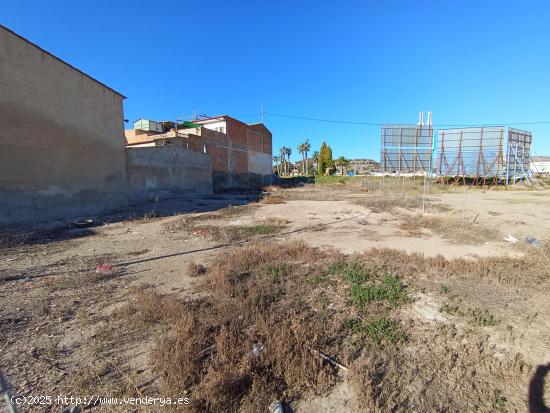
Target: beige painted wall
<point>61,138</point>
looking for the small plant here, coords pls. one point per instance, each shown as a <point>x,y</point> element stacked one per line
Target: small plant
<point>390,290</point>
<point>320,279</point>
<point>444,289</point>
<point>351,324</point>
<point>482,318</point>
<point>355,273</point>
<point>382,330</point>
<point>450,309</point>
<point>509,328</point>
<point>261,229</point>
<point>395,292</point>
<point>337,267</point>
<point>499,402</point>
<point>278,270</point>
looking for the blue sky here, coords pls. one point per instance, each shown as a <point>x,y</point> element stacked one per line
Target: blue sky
<point>468,62</point>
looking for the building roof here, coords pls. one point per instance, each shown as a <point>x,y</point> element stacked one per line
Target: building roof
<point>62,61</point>
<point>223,117</point>
<point>541,158</point>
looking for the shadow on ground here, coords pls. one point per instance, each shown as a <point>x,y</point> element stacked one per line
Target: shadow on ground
<point>66,229</point>
<point>536,389</point>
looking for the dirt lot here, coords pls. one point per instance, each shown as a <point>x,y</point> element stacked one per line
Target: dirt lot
<point>329,298</point>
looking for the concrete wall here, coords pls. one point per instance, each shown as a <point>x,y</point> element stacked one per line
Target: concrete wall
<point>260,154</point>
<point>167,171</point>
<point>137,136</point>
<point>61,138</point>
<point>241,158</point>
<point>259,167</point>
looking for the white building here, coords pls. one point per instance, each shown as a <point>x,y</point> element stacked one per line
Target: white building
<point>541,165</point>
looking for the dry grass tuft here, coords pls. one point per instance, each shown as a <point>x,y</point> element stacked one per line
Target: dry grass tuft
<point>273,199</point>
<point>455,230</point>
<point>235,233</point>
<point>268,308</point>
<point>387,202</point>
<point>315,194</point>
<point>239,341</point>
<point>195,270</point>
<point>149,306</point>
<point>143,217</point>
<point>436,380</point>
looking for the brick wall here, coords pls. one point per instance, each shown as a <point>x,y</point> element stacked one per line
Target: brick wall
<point>231,153</point>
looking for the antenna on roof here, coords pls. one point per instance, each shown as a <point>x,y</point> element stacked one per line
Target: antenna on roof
<point>429,122</point>
<point>262,112</point>
<point>420,118</point>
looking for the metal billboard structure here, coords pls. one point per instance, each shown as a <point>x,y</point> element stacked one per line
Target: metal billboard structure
<point>406,149</point>
<point>483,155</point>
<point>518,156</point>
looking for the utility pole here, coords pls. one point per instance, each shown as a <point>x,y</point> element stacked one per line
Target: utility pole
<point>262,112</point>
<point>464,206</point>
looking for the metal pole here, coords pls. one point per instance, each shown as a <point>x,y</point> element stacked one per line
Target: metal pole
<point>424,196</point>
<point>262,112</point>
<point>508,160</point>
<point>464,206</point>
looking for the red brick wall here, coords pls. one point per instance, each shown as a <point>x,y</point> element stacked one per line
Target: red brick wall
<point>230,151</point>
<point>219,158</point>
<point>236,131</point>
<point>265,138</point>
<point>241,162</point>
<point>268,146</point>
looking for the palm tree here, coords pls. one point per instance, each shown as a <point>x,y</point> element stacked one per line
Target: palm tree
<point>288,152</point>
<point>306,147</point>
<point>315,157</point>
<point>282,158</point>
<point>342,162</point>
<point>302,150</point>
<point>277,159</point>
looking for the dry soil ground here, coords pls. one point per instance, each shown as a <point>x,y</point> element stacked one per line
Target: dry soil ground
<point>423,309</point>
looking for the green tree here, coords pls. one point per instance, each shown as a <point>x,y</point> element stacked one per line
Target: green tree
<point>282,159</point>
<point>277,160</point>
<point>288,152</point>
<point>301,151</point>
<point>325,159</point>
<point>315,158</point>
<point>343,163</point>
<point>304,148</point>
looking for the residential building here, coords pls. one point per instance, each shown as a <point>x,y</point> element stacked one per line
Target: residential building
<point>61,137</point>
<point>540,165</point>
<point>363,166</point>
<point>241,153</point>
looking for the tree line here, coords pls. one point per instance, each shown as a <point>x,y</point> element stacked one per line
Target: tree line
<point>320,163</point>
